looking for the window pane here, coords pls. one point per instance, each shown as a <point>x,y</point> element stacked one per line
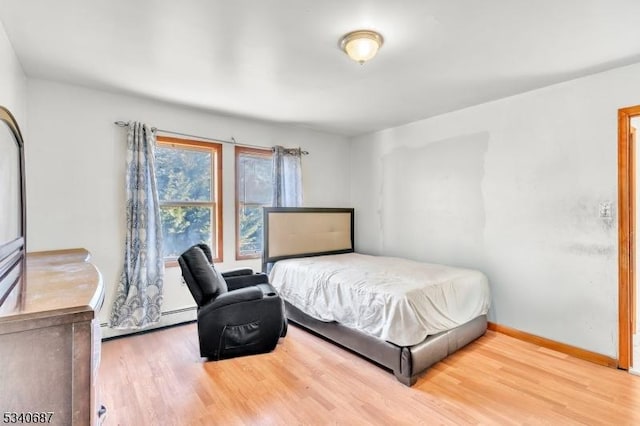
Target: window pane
<point>255,183</point>
<point>183,174</point>
<point>183,227</point>
<point>250,230</point>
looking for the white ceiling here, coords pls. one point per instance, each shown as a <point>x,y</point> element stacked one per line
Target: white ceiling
<point>278,60</point>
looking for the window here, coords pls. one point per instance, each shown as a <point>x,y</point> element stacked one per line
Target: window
<point>189,176</point>
<point>254,190</point>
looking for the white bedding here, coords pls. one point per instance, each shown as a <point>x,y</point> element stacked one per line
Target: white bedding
<point>397,300</point>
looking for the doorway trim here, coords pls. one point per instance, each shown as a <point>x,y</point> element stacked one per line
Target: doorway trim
<point>626,236</point>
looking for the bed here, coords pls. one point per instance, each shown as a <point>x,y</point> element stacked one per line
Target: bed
<point>401,314</point>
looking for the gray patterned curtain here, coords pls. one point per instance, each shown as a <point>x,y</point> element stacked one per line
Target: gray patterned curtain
<point>287,173</point>
<point>139,294</point>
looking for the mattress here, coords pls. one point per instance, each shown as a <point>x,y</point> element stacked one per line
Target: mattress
<point>397,300</point>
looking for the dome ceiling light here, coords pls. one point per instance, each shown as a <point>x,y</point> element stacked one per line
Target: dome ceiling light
<point>361,45</point>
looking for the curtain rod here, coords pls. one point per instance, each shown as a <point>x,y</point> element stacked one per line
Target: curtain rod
<point>232,141</point>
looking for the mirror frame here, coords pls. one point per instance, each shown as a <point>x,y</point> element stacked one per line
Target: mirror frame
<point>13,252</point>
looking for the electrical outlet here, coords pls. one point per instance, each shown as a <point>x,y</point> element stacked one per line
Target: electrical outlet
<point>605,209</point>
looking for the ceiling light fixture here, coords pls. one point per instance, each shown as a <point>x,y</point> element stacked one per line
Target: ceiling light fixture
<point>361,45</point>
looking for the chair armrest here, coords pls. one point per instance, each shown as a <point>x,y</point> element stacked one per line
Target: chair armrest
<point>241,281</point>
<point>236,296</point>
<point>237,272</point>
<point>267,290</point>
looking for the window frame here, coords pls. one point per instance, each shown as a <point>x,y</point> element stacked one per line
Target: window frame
<point>239,151</point>
<point>216,189</point>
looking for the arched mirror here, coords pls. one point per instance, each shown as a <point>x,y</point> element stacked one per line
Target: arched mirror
<point>12,213</point>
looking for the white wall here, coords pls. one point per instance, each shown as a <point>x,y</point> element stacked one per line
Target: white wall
<point>76,162</point>
<point>13,96</point>
<point>512,188</point>
<point>13,82</point>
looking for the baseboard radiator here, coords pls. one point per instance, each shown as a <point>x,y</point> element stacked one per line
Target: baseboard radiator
<point>167,319</point>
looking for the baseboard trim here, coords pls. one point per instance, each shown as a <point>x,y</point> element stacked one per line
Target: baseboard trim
<point>556,346</point>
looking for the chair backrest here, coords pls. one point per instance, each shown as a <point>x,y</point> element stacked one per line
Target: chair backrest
<point>207,251</point>
<point>204,283</point>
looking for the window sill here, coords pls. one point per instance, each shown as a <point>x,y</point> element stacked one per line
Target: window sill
<point>173,263</point>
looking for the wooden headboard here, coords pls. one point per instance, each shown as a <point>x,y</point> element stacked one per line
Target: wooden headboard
<point>291,232</point>
<point>12,213</point>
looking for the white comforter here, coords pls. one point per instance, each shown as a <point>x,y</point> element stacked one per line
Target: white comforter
<point>397,300</point>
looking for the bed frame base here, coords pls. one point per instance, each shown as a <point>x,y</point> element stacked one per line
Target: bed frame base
<point>406,362</point>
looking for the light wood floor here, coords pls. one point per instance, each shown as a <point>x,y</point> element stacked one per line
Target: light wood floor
<point>158,378</point>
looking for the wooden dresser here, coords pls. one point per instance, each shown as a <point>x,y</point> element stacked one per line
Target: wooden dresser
<point>50,342</point>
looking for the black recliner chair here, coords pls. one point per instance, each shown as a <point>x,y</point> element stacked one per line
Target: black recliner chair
<point>239,312</point>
